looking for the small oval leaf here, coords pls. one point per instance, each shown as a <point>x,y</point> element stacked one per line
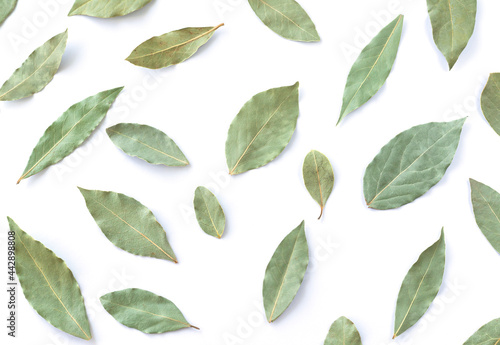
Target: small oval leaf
<point>490,101</point>
<point>318,177</point>
<point>209,213</point>
<point>489,334</point>
<point>106,8</point>
<point>343,332</point>
<point>486,205</point>
<point>6,8</point>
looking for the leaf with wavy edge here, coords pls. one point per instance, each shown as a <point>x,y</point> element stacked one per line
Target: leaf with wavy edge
<point>318,177</point>
<point>209,213</point>
<point>106,8</point>
<point>343,332</point>
<point>489,334</point>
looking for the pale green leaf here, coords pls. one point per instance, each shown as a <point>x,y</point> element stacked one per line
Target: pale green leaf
<point>343,332</point>
<point>486,205</point>
<point>318,177</point>
<point>209,213</point>
<point>489,334</point>
<point>6,8</point>
<point>490,101</point>
<point>106,8</point>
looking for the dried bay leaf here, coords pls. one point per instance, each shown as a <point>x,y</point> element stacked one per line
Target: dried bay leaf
<point>171,48</point>
<point>452,23</point>
<point>6,8</point>
<point>490,101</point>
<point>318,177</point>
<point>36,71</point>
<point>488,334</point>
<point>372,67</point>
<point>286,18</point>
<point>410,164</point>
<point>262,128</point>
<point>144,311</point>
<point>49,285</point>
<point>285,273</point>
<point>106,8</point>
<point>486,206</point>
<point>146,143</point>
<point>343,332</point>
<point>70,130</point>
<point>128,224</point>
<point>209,213</point>
<point>420,286</point>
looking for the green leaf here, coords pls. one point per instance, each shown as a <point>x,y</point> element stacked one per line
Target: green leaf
<point>343,332</point>
<point>489,334</point>
<point>420,286</point>
<point>106,8</point>
<point>171,48</point>
<point>36,71</point>
<point>6,8</point>
<point>147,143</point>
<point>486,205</point>
<point>144,311</point>
<point>262,128</point>
<point>372,67</point>
<point>128,224</point>
<point>452,23</point>
<point>287,18</point>
<point>318,177</point>
<point>209,213</point>
<point>49,285</point>
<point>285,273</point>
<point>490,101</point>
<point>70,130</point>
<point>411,164</point>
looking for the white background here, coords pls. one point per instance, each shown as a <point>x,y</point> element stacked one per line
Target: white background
<point>359,257</point>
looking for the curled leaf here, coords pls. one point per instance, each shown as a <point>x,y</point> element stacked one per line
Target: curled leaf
<point>209,213</point>
<point>106,8</point>
<point>318,177</point>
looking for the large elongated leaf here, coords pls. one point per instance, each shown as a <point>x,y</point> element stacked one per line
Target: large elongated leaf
<point>209,213</point>
<point>71,129</point>
<point>490,101</point>
<point>452,23</point>
<point>49,285</point>
<point>285,273</point>
<point>106,8</point>
<point>262,128</point>
<point>318,177</point>
<point>171,48</point>
<point>343,332</point>
<point>6,8</point>
<point>128,224</point>
<point>410,164</point>
<point>486,205</point>
<point>144,310</point>
<point>420,286</point>
<point>287,18</point>
<point>36,71</point>
<point>147,143</point>
<point>372,67</point>
<point>489,334</point>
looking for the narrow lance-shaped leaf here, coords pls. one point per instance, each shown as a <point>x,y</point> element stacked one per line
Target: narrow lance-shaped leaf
<point>6,8</point>
<point>420,286</point>
<point>106,8</point>
<point>452,23</point>
<point>36,71</point>
<point>486,205</point>
<point>262,128</point>
<point>71,129</point>
<point>287,18</point>
<point>128,224</point>
<point>49,285</point>
<point>490,101</point>
<point>146,143</point>
<point>144,311</point>
<point>209,213</point>
<point>410,164</point>
<point>285,273</point>
<point>372,67</point>
<point>489,334</point>
<point>318,177</point>
<point>342,332</point>
<point>171,48</point>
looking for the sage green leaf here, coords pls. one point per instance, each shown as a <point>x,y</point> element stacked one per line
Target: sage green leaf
<point>49,285</point>
<point>71,129</point>
<point>128,224</point>
<point>209,213</point>
<point>6,8</point>
<point>372,67</point>
<point>490,101</point>
<point>287,18</point>
<point>486,205</point>
<point>343,332</point>
<point>147,143</point>
<point>318,177</point>
<point>489,334</point>
<point>106,8</point>
<point>420,286</point>
<point>452,23</point>
<point>411,164</point>
<point>36,71</point>
<point>171,48</point>
<point>144,311</point>
<point>262,128</point>
<point>285,273</point>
